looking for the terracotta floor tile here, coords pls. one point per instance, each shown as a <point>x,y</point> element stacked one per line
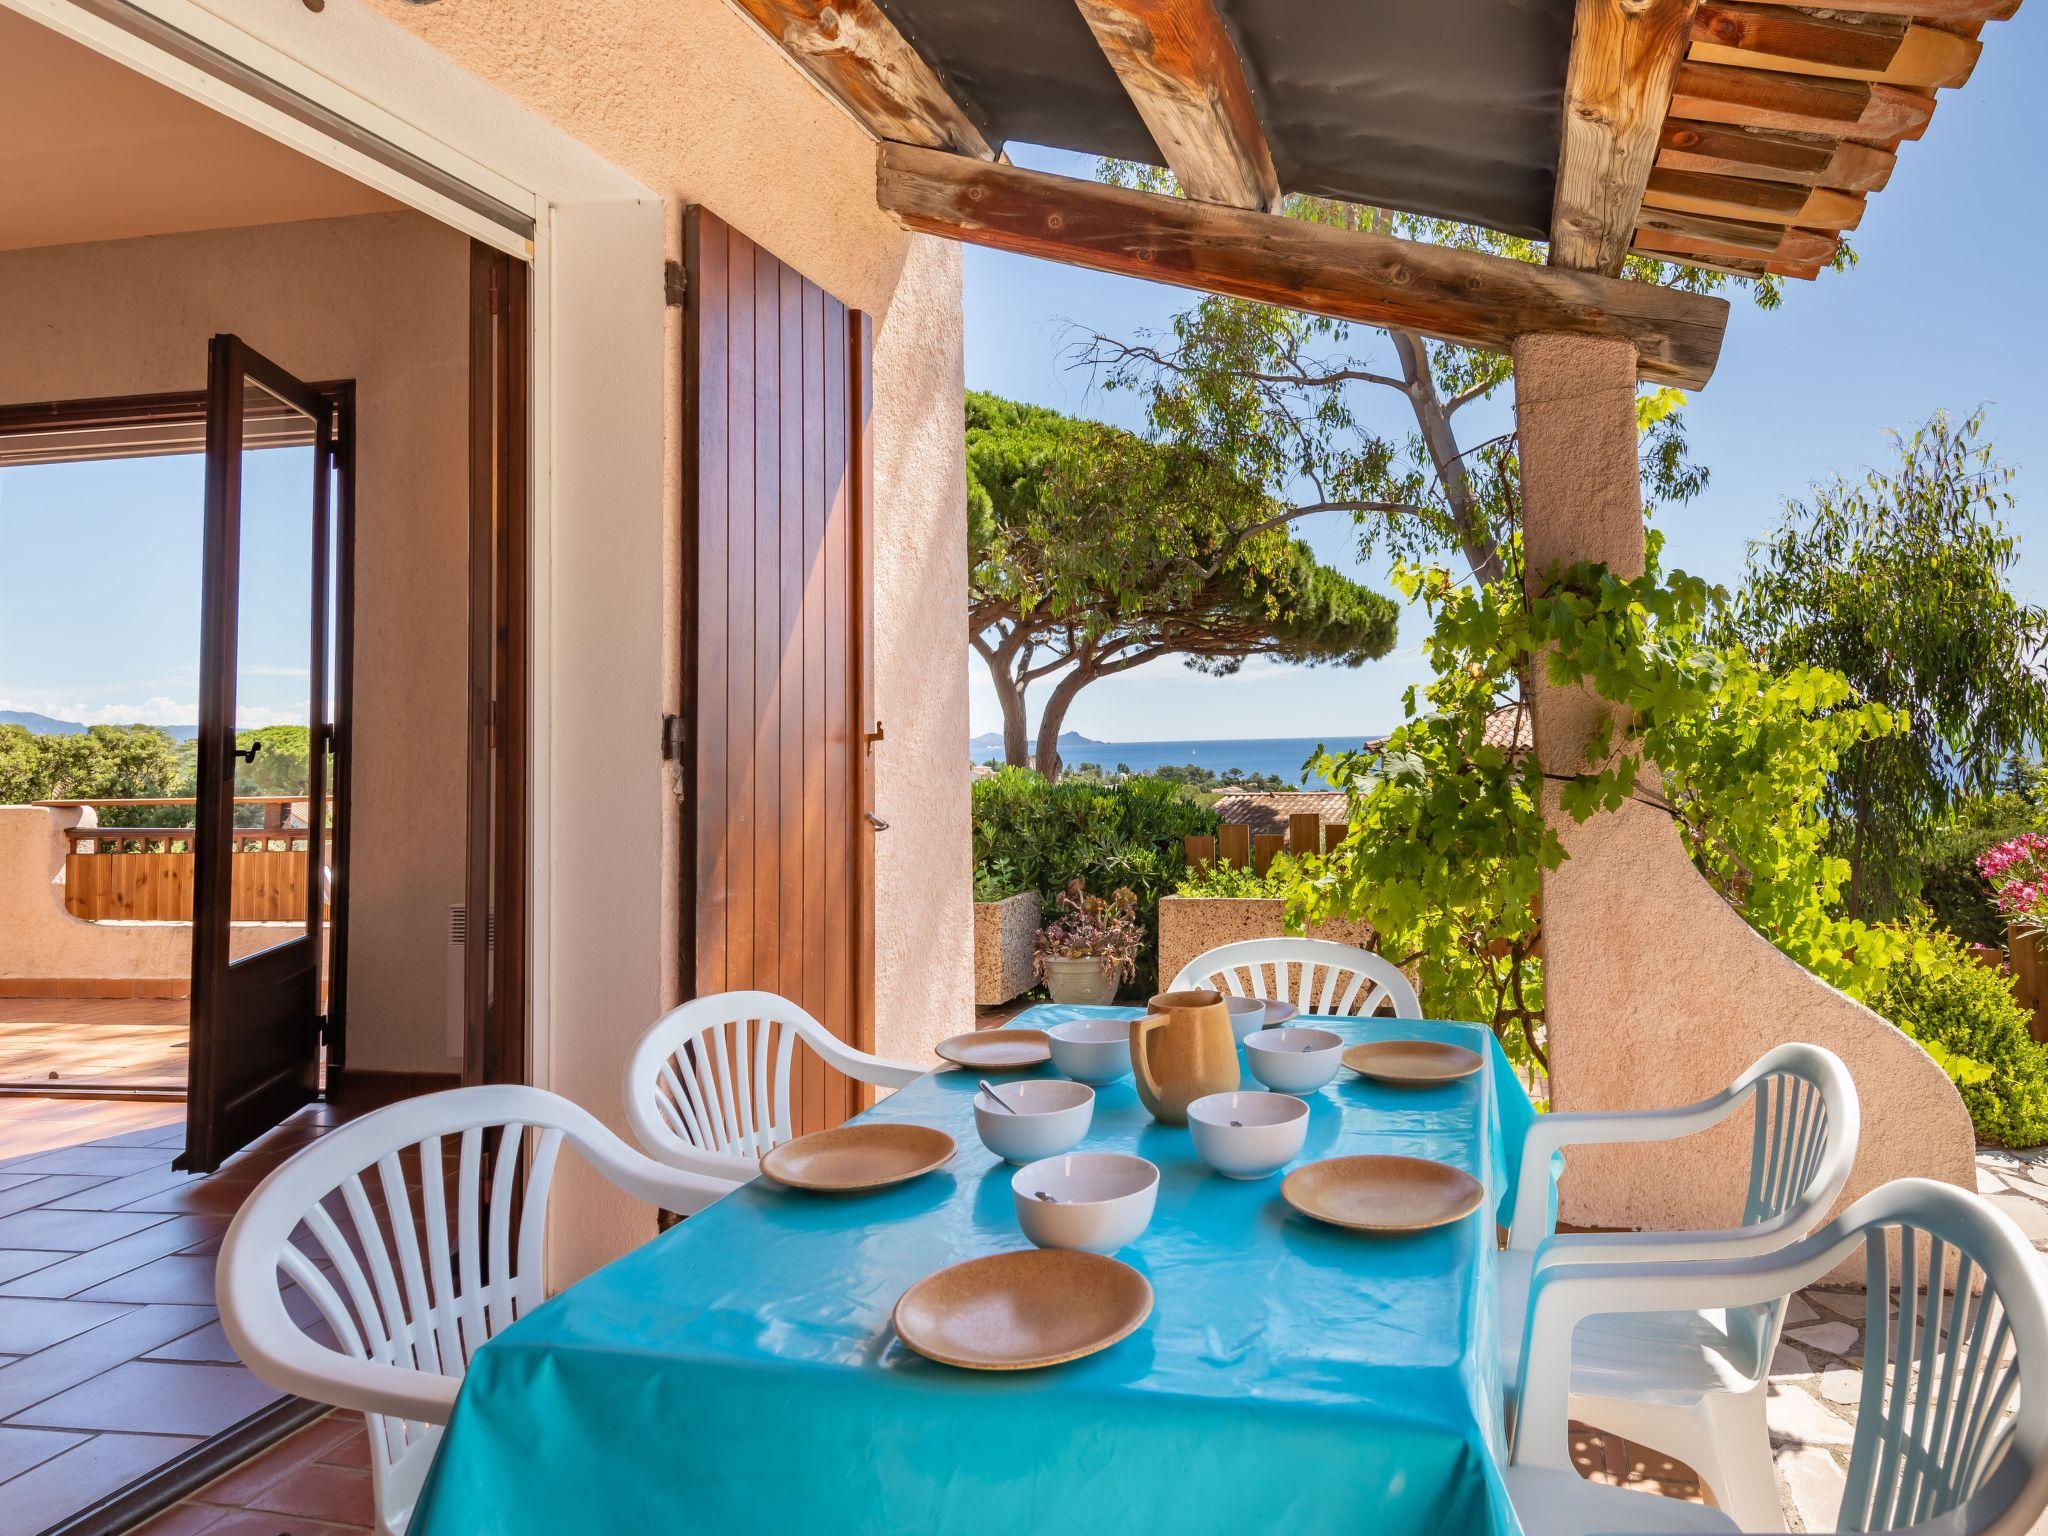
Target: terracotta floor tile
<point>155,1396</point>
<point>180,1520</point>
<point>21,1449</point>
<point>16,1262</point>
<point>256,1522</point>
<point>353,1449</point>
<point>117,1192</point>
<point>95,1157</point>
<point>41,1189</point>
<point>70,1231</point>
<point>34,1377</point>
<point>30,1324</point>
<point>321,1492</point>
<point>86,1473</point>
<point>245,1484</point>
<point>208,1345</point>
<point>214,1196</point>
<point>79,1272</point>
<point>177,1278</point>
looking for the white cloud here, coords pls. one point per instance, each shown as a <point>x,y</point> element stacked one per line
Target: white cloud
<point>154,711</point>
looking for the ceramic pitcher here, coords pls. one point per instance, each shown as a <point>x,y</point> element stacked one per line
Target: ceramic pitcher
<point>1182,1050</point>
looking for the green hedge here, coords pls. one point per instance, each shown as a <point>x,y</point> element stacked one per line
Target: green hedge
<point>1031,835</point>
<point>1967,1009</point>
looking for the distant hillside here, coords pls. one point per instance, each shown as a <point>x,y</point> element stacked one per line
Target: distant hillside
<point>43,725</point>
<point>992,741</point>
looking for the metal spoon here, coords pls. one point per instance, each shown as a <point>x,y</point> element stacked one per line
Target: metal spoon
<point>1048,1199</point>
<point>985,1088</point>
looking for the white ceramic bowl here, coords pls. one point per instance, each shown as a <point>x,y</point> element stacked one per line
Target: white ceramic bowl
<point>1248,1135</point>
<point>1092,1050</point>
<point>1100,1201</point>
<point>1246,1014</point>
<point>1051,1116</point>
<point>1293,1059</point>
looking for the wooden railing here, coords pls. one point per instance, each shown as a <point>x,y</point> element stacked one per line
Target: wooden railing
<point>144,874</point>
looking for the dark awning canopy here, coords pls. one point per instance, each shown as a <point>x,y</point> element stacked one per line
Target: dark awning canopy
<point>1449,108</point>
<point>1742,136</point>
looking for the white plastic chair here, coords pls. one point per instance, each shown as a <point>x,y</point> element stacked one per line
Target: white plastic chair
<point>708,1087</point>
<point>407,1294</point>
<point>1691,1384</point>
<point>1316,975</point>
<point>1952,1429</point>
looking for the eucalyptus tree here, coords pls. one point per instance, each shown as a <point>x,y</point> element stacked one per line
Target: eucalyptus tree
<point>1899,581</point>
<point>1093,551</point>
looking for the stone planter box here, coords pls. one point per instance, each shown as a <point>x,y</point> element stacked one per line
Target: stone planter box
<point>1192,925</point>
<point>1003,932</point>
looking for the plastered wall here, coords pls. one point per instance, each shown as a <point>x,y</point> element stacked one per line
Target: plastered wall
<point>381,299</point>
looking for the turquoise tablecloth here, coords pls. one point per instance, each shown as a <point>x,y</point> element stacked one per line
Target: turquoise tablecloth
<point>739,1375</point>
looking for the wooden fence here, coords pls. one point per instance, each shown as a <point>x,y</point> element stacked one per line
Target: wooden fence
<point>144,874</point>
<point>1241,848</point>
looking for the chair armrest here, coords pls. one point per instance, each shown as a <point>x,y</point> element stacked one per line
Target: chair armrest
<point>1552,1133</point>
<point>684,1180</point>
<point>1658,1247</point>
<point>1564,1295</point>
<point>867,1068</point>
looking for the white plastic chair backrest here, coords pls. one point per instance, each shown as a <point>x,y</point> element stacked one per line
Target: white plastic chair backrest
<point>1953,1438</point>
<point>716,1074</point>
<point>414,1233</point>
<point>1316,975</point>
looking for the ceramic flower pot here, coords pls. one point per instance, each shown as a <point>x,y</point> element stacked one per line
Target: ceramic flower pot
<point>1079,980</point>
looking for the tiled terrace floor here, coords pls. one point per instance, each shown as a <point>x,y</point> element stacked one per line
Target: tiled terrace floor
<point>93,1042</point>
<point>112,1360</point>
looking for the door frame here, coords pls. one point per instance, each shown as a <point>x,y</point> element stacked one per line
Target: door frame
<point>350,89</point>
<point>174,422</point>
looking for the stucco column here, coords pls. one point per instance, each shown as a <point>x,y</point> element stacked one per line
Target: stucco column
<point>1656,991</point>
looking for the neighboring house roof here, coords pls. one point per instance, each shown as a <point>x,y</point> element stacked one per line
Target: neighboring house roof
<point>1509,728</point>
<point>1269,813</point>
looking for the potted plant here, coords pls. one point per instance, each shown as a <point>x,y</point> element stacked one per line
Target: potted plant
<point>1090,946</point>
<point>1005,929</point>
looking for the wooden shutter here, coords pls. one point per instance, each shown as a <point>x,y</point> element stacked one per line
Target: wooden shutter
<point>777,863</point>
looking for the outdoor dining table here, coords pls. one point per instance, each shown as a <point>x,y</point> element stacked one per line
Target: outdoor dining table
<point>739,1374</point>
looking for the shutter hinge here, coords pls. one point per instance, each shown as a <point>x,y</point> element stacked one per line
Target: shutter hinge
<point>672,738</point>
<point>675,283</point>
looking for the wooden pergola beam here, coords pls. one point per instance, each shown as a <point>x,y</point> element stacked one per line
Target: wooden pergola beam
<point>1464,297</point>
<point>1930,10</point>
<point>1889,49</point>
<point>1183,74</point>
<point>1739,197</point>
<point>860,60</point>
<point>1802,159</point>
<point>1617,89</point>
<point>1763,98</point>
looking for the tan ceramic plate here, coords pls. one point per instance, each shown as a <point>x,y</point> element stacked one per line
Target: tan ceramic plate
<point>1412,1062</point>
<point>1018,1311</point>
<point>1382,1194</point>
<point>997,1050</point>
<point>857,1157</point>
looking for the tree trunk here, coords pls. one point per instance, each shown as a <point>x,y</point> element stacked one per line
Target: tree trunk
<point>1047,758</point>
<point>1009,692</point>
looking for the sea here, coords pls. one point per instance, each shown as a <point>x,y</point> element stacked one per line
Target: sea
<point>1283,755</point>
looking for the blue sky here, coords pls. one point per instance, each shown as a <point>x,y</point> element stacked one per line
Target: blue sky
<point>99,589</point>
<point>1945,310</point>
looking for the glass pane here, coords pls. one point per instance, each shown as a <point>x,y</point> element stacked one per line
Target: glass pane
<point>274,870</point>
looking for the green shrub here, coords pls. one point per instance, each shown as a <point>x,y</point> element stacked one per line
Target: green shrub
<point>1131,834</point>
<point>997,880</point>
<point>1944,997</point>
<point>1223,878</point>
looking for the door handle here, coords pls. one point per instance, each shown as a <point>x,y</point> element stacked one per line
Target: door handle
<point>875,821</point>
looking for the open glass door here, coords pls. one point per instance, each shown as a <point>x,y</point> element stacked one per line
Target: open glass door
<point>263,822</point>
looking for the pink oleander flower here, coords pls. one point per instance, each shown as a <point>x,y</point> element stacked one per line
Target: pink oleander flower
<point>2017,871</point>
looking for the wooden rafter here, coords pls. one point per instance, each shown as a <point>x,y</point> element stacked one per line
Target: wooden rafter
<point>1889,49</point>
<point>857,56</point>
<point>1791,250</point>
<point>1182,71</point>
<point>1801,159</point>
<point>1763,98</point>
<point>1617,87</point>
<point>1738,197</point>
<point>1465,297</point>
<point>1944,11</point>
